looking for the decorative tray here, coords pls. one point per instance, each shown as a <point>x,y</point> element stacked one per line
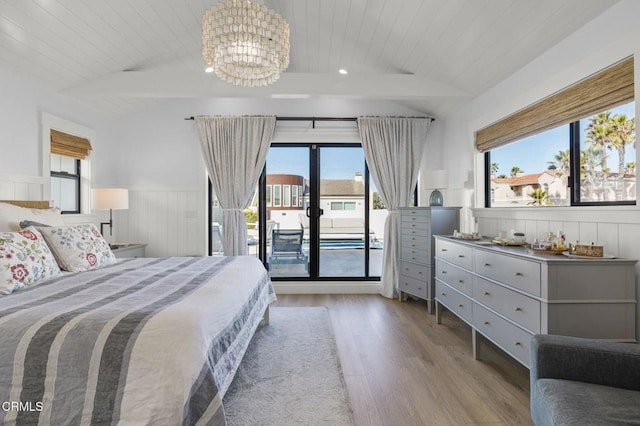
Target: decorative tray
<point>508,242</point>
<point>546,252</point>
<point>469,237</point>
<point>577,256</point>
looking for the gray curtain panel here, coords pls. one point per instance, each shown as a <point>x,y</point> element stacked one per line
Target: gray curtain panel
<point>393,149</point>
<point>235,150</point>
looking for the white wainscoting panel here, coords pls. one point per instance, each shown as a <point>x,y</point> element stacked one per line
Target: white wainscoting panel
<point>21,188</point>
<point>171,222</point>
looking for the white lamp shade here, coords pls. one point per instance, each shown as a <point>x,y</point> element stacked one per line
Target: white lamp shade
<point>110,198</point>
<point>437,179</point>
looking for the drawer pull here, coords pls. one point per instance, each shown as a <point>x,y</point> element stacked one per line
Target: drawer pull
<point>419,272</point>
<point>518,309</point>
<point>518,344</point>
<point>461,281</point>
<point>486,323</point>
<point>443,249</point>
<point>419,288</point>
<point>519,274</point>
<point>461,306</point>
<point>461,255</point>
<point>486,293</point>
<point>487,264</point>
<point>444,294</point>
<point>444,272</point>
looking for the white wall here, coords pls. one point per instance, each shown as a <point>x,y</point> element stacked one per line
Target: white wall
<point>609,38</point>
<point>21,106</point>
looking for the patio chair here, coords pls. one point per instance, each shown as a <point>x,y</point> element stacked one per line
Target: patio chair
<point>286,248</point>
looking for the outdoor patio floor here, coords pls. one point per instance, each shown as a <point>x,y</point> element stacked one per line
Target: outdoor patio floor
<point>335,263</point>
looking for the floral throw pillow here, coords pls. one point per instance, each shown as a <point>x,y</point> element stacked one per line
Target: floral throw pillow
<point>25,259</point>
<point>78,247</point>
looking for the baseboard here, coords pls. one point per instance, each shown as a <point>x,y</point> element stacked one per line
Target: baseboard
<point>327,287</point>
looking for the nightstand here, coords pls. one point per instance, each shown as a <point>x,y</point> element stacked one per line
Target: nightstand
<point>129,250</point>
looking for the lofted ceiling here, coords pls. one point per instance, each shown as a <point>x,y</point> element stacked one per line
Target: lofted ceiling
<point>431,55</point>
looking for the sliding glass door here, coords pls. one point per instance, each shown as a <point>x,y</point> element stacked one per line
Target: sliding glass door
<point>322,217</point>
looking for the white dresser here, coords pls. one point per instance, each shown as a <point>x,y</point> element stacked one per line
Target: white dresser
<point>417,227</point>
<point>508,295</point>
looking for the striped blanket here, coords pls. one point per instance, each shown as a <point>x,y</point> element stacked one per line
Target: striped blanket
<point>144,341</point>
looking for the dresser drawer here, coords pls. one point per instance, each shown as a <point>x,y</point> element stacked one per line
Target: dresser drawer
<point>415,216</point>
<point>517,307</point>
<point>519,273</point>
<point>454,276</point>
<point>457,254</point>
<point>412,270</point>
<point>413,286</point>
<point>415,229</point>
<point>415,255</point>
<point>509,337</point>
<point>455,301</point>
<point>416,242</point>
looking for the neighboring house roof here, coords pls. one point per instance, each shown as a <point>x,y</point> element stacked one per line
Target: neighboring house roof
<point>522,180</point>
<point>341,187</point>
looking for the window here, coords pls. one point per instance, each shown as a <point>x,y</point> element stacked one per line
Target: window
<point>65,183</point>
<point>300,196</point>
<point>343,205</point>
<point>286,195</point>
<point>67,165</point>
<point>268,195</point>
<point>294,196</point>
<point>590,161</point>
<point>277,199</point>
<point>575,147</point>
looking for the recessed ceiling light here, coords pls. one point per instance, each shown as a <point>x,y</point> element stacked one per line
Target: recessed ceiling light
<point>208,69</point>
<point>343,71</point>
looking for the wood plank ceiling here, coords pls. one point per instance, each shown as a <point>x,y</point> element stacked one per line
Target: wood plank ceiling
<point>121,55</point>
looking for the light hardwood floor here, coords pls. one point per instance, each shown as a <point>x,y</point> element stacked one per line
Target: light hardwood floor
<point>401,368</point>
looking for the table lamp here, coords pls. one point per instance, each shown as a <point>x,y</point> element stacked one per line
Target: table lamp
<point>437,179</point>
<point>109,199</point>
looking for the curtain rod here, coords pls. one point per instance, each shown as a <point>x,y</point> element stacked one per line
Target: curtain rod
<point>314,119</point>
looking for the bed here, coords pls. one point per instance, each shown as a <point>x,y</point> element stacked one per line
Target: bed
<point>139,341</point>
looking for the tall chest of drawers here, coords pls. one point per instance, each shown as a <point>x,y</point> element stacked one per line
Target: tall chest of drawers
<point>508,295</point>
<point>418,225</point>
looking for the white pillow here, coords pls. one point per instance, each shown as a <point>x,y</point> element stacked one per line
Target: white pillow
<point>11,216</point>
<point>78,247</point>
<point>25,259</point>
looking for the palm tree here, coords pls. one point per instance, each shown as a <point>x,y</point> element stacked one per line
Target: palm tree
<point>494,168</point>
<point>515,170</point>
<point>540,198</point>
<point>561,162</point>
<point>630,168</point>
<point>624,133</point>
<point>600,133</point>
<point>592,172</point>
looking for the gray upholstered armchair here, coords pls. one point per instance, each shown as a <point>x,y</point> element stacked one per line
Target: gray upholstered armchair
<point>584,382</point>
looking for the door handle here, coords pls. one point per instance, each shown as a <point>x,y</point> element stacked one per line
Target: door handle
<point>316,212</point>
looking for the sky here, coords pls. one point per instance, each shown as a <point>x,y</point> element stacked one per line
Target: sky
<point>532,154</point>
<point>335,163</point>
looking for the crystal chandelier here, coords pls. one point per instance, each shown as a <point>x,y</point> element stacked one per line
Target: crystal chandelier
<point>246,44</point>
